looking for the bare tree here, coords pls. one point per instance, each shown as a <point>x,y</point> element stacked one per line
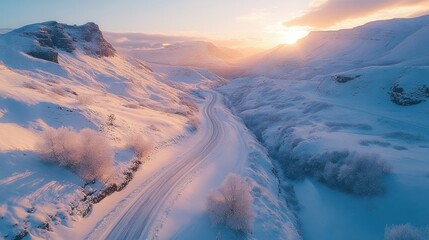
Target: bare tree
<point>139,145</point>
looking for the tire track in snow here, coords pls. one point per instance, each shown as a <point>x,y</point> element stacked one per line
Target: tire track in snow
<point>140,216</point>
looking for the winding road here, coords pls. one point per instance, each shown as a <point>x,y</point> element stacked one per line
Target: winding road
<point>137,218</point>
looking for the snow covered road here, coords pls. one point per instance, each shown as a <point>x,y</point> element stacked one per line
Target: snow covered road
<point>167,197</point>
<point>136,220</point>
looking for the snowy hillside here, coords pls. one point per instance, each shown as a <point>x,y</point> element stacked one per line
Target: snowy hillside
<point>5,30</point>
<point>55,75</point>
<point>97,145</point>
<point>344,114</point>
<point>384,42</point>
<point>176,51</point>
<point>128,140</point>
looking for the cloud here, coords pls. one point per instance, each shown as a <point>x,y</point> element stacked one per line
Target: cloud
<point>326,13</point>
<point>256,14</point>
<point>121,40</point>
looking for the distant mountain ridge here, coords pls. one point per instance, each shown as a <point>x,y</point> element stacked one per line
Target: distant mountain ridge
<point>178,51</point>
<point>362,91</point>
<point>192,53</point>
<point>5,30</point>
<point>375,43</point>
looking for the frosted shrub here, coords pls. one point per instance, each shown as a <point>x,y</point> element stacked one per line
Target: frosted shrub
<point>361,174</point>
<point>32,85</point>
<point>85,99</point>
<point>403,232</point>
<point>193,124</point>
<point>231,204</point>
<point>59,146</point>
<point>86,153</point>
<point>96,155</point>
<point>139,145</point>
<point>193,107</point>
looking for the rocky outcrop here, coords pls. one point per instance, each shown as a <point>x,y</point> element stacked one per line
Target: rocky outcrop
<point>45,54</point>
<point>399,96</point>
<point>52,35</point>
<point>92,40</point>
<point>48,38</point>
<point>343,79</point>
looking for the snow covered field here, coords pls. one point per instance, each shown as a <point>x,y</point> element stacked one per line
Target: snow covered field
<point>167,198</point>
<point>193,143</point>
<point>334,107</point>
<point>330,135</point>
<point>117,96</point>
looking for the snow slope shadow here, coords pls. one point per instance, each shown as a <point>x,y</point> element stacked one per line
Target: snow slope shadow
<point>54,115</point>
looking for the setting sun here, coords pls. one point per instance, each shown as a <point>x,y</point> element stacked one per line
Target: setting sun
<point>290,35</point>
<point>277,34</point>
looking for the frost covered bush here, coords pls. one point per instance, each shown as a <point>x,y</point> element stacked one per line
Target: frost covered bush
<point>361,174</point>
<point>231,204</point>
<point>32,85</point>
<point>403,232</point>
<point>86,153</point>
<point>85,99</point>
<point>193,124</point>
<point>139,145</point>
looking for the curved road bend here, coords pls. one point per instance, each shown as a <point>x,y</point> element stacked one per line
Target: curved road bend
<point>138,219</point>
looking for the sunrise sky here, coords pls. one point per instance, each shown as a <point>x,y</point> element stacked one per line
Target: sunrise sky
<point>245,23</point>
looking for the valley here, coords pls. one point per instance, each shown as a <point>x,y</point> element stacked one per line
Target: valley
<point>330,135</point>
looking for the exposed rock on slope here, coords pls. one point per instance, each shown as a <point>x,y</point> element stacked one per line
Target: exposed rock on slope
<point>402,98</point>
<point>44,40</point>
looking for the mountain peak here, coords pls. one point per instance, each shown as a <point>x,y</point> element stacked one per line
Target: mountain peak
<point>44,40</point>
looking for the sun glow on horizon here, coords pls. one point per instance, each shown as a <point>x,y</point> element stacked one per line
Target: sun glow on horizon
<point>280,34</point>
<point>234,24</point>
<point>290,35</point>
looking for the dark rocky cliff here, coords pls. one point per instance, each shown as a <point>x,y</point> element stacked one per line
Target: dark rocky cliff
<point>48,38</point>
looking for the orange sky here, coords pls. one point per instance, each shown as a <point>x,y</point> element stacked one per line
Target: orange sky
<point>339,14</point>
<point>236,23</point>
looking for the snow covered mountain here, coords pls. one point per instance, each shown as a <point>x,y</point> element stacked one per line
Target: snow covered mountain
<point>194,53</point>
<point>384,42</point>
<point>176,51</point>
<point>56,75</point>
<point>44,40</point>
<point>70,103</point>
<point>342,114</point>
<point>5,30</point>
<point>345,114</point>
